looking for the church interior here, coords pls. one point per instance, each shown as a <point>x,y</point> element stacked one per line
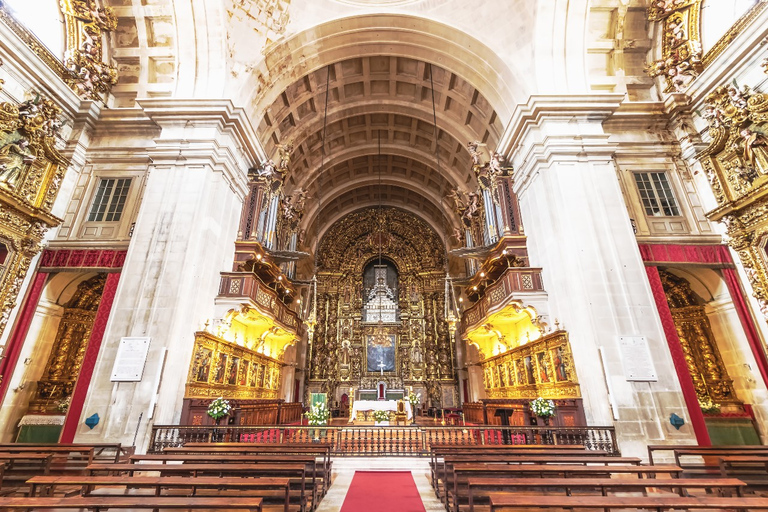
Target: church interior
<point>462,251</point>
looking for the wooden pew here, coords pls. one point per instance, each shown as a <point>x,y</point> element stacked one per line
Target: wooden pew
<point>18,467</point>
<point>322,450</point>
<point>753,469</point>
<point>133,502</point>
<point>703,451</point>
<point>103,452</point>
<point>259,487</point>
<point>463,472</point>
<point>567,485</point>
<point>309,460</point>
<point>296,472</point>
<point>502,502</point>
<point>449,460</point>
<point>438,452</point>
<point>65,458</point>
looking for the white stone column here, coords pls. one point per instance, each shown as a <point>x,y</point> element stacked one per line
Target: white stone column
<point>183,238</point>
<point>580,234</point>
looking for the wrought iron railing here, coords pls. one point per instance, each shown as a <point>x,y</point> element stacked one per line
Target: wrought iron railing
<point>389,440</point>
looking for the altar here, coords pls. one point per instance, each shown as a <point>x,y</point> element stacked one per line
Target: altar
<point>377,405</point>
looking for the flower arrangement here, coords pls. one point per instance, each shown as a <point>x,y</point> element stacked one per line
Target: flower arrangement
<point>380,416</point>
<point>543,408</point>
<point>709,406</point>
<point>63,405</point>
<point>219,408</point>
<point>413,398</point>
<point>318,414</point>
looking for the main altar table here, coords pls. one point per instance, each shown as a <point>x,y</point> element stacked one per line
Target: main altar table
<point>377,405</point>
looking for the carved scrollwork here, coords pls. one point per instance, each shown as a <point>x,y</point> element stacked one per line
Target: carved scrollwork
<point>681,60</point>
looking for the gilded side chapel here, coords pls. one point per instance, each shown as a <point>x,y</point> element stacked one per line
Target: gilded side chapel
<point>437,209</point>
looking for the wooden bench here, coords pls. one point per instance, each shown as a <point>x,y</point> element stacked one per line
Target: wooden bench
<point>296,472</point>
<point>567,485</point>
<point>703,451</point>
<point>753,469</point>
<point>501,502</point>
<point>314,473</point>
<point>463,472</point>
<point>18,467</point>
<point>139,501</point>
<point>440,452</point>
<point>258,487</point>
<point>103,452</point>
<point>65,458</point>
<point>448,461</point>
<point>322,450</point>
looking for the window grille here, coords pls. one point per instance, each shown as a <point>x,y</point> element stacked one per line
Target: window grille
<point>109,200</point>
<point>656,194</point>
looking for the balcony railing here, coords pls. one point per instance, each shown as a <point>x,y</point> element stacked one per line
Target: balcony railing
<point>388,440</point>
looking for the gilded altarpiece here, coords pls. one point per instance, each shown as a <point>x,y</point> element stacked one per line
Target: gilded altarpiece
<point>736,164</point>
<point>541,368</point>
<point>424,352</point>
<point>31,170</point>
<point>223,368</point>
<point>710,378</point>
<point>66,359</point>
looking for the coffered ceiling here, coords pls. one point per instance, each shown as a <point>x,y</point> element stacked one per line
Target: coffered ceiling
<point>379,104</point>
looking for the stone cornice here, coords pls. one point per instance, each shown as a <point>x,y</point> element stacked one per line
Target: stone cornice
<point>586,107</point>
<point>175,111</point>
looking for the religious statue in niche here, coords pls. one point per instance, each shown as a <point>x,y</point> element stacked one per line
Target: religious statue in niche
<point>529,370</point>
<point>221,365</point>
<point>232,374</point>
<point>755,150</point>
<point>15,157</point>
<point>344,353</point>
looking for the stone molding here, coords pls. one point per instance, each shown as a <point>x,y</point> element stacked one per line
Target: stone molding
<point>205,132</point>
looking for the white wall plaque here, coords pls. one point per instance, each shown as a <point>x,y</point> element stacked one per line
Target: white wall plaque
<point>636,355</point>
<point>130,360</point>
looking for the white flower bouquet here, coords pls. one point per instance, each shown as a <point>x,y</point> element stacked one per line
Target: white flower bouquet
<point>219,408</point>
<point>380,416</point>
<point>543,408</point>
<point>413,398</point>
<point>318,414</point>
<point>63,404</point>
<point>709,406</point>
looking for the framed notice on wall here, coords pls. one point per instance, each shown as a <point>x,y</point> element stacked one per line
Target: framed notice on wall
<point>636,355</point>
<point>130,360</point>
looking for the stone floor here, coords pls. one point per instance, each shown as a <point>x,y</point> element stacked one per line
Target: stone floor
<point>344,469</point>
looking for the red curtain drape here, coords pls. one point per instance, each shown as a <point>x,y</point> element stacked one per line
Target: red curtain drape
<point>19,334</point>
<point>678,358</point>
<point>89,360</point>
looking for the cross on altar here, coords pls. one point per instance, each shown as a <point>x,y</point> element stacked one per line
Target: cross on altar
<point>381,365</point>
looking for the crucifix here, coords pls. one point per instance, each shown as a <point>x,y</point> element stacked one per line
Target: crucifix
<point>381,365</point>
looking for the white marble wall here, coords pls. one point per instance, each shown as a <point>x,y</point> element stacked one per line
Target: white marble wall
<point>579,233</point>
<point>184,237</point>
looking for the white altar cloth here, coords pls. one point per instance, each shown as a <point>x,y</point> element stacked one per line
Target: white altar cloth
<point>377,405</point>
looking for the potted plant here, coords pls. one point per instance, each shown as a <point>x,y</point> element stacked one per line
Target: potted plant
<point>414,400</point>
<point>381,417</point>
<point>318,416</point>
<point>219,408</point>
<point>543,408</point>
<point>708,406</point>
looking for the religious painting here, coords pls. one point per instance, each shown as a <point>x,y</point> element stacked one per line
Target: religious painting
<point>232,373</point>
<point>221,366</point>
<point>381,353</point>
<point>529,370</point>
<point>520,370</point>
<point>502,375</point>
<point>561,375</point>
<point>543,364</point>
<point>243,374</point>
<point>252,375</point>
<point>204,367</point>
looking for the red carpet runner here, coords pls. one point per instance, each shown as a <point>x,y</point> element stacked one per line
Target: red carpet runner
<point>382,491</point>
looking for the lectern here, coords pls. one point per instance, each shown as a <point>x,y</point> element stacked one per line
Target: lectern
<point>504,415</point>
